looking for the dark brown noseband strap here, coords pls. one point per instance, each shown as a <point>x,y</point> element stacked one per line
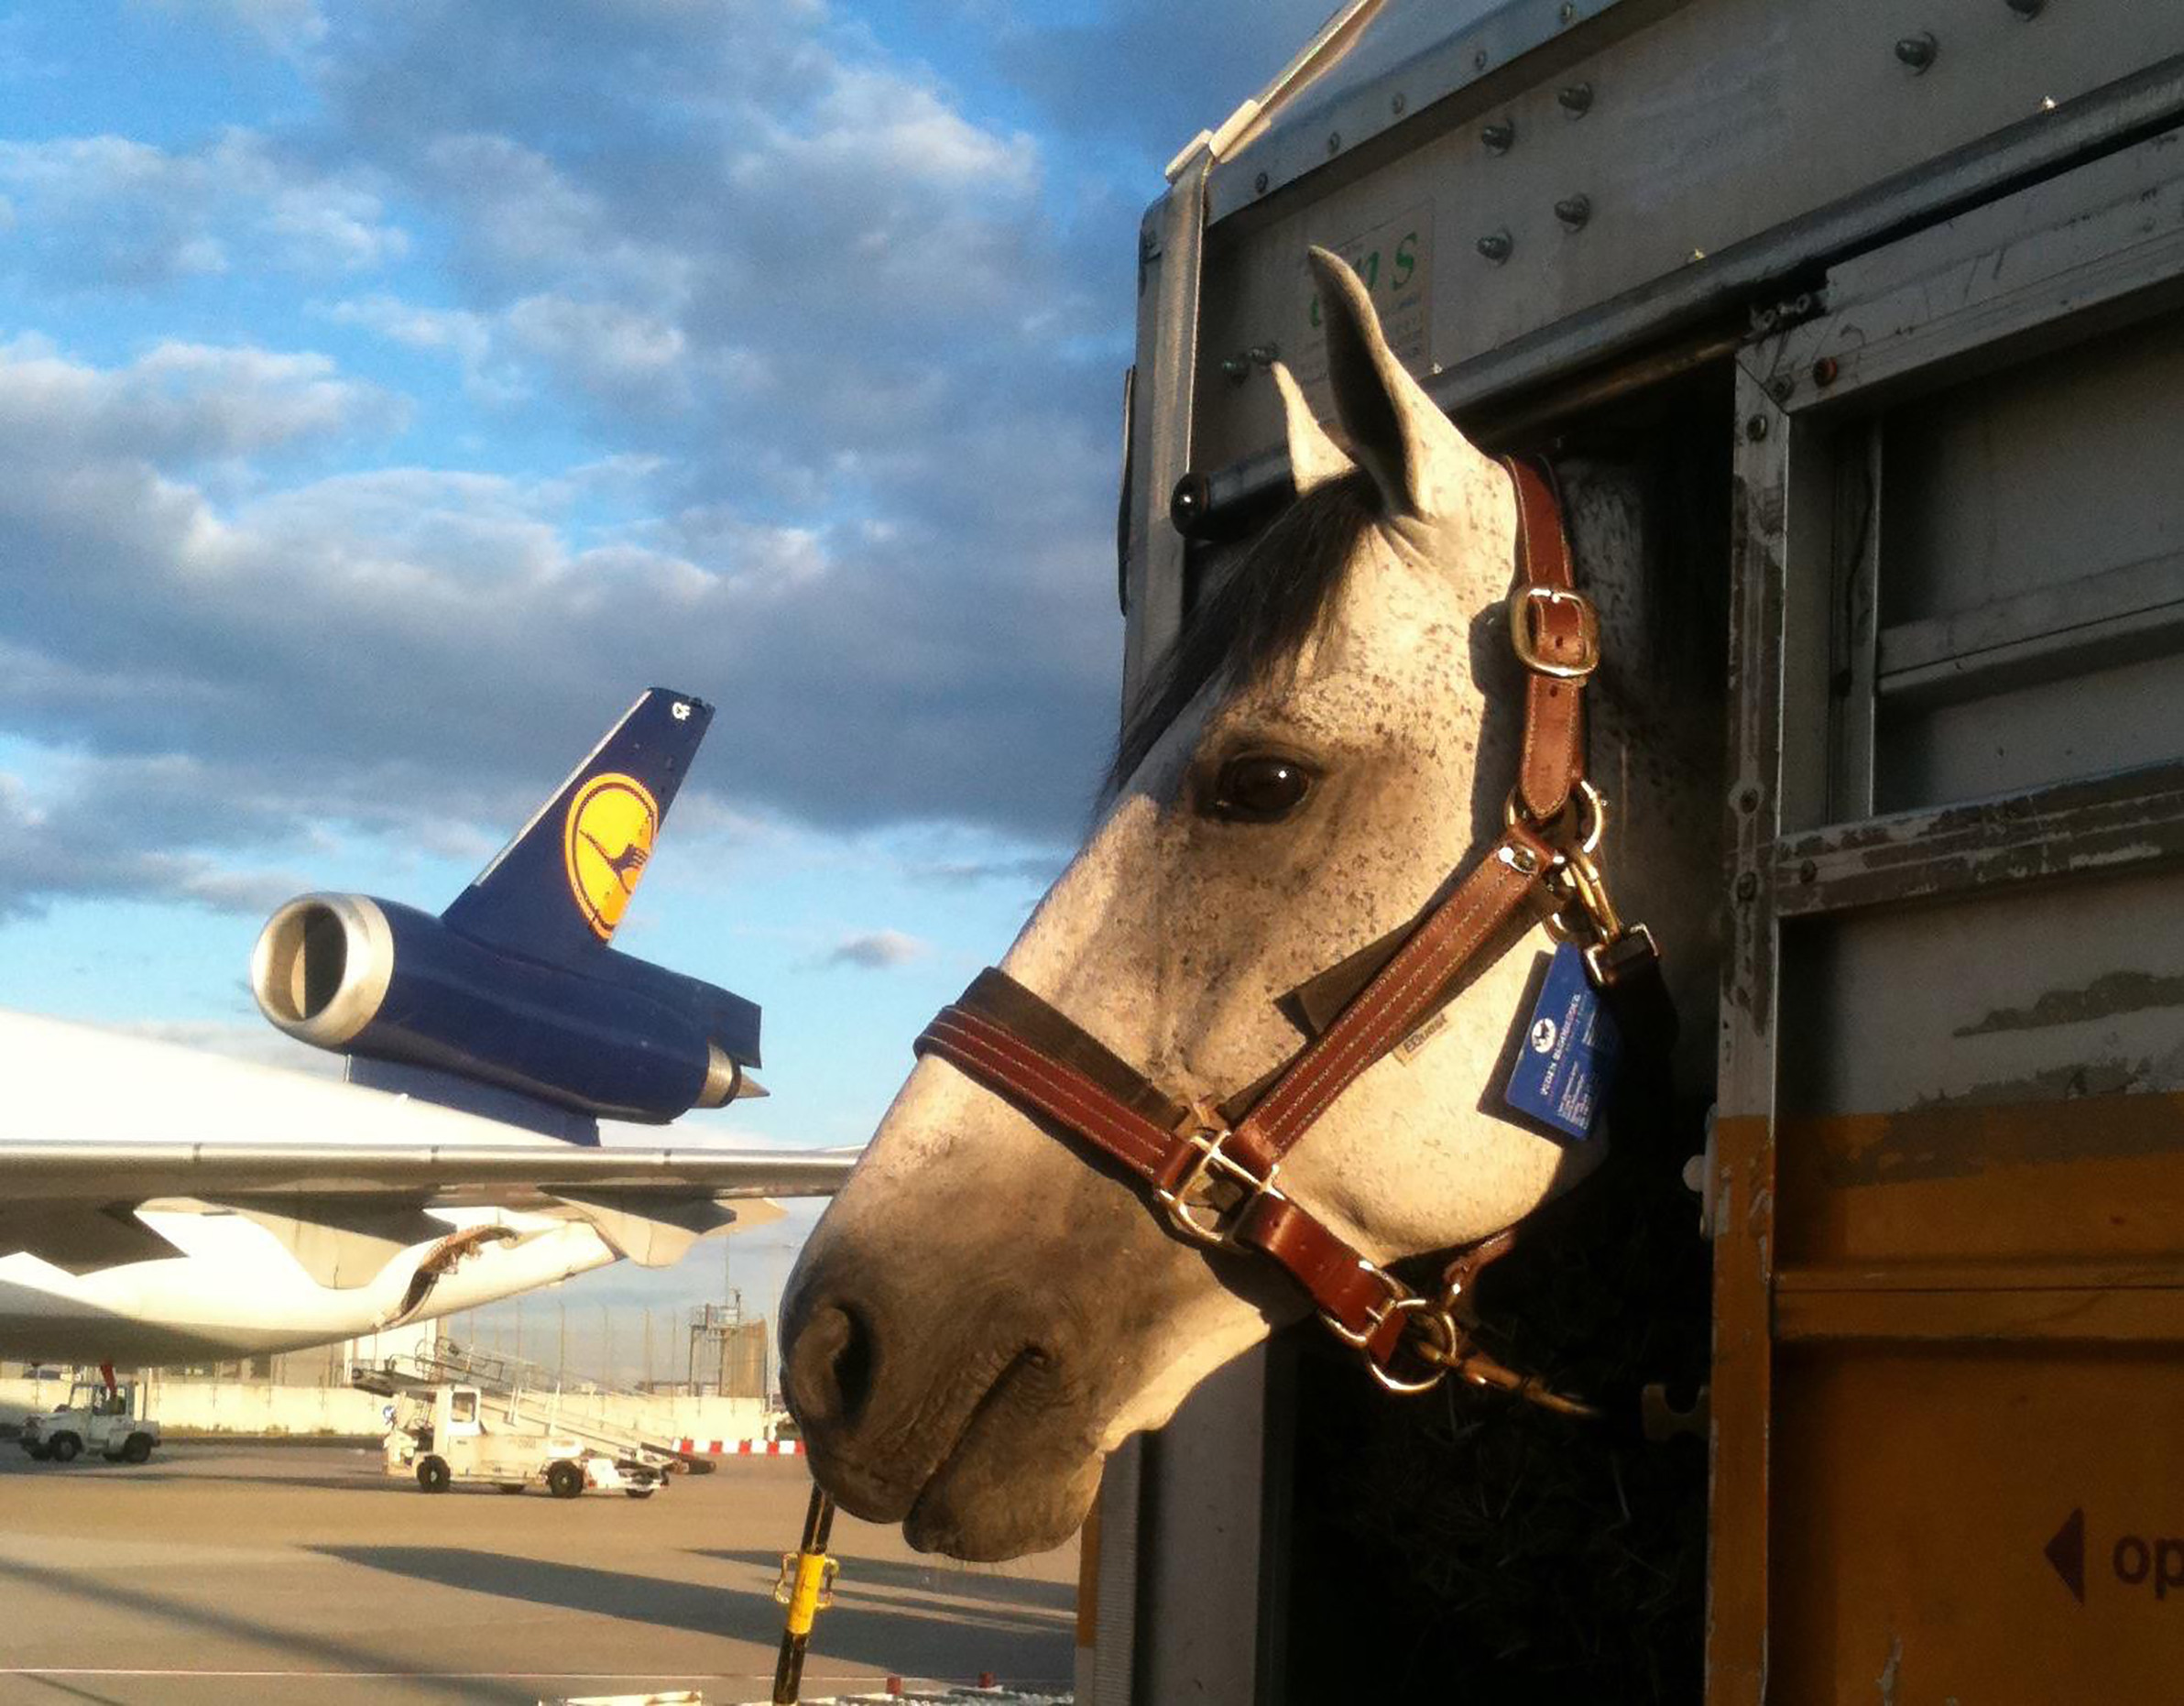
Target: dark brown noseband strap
<point>1217,1178</point>
<point>1218,1182</point>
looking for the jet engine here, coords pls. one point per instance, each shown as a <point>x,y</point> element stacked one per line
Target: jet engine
<point>619,1039</point>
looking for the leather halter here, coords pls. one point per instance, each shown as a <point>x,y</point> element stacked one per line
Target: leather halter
<point>1214,1171</point>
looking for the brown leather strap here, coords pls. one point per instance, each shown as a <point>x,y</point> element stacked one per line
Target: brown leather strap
<point>1342,1282</point>
<point>1561,631</point>
<point>990,1054</point>
<point>1413,984</point>
<point>1060,1076</point>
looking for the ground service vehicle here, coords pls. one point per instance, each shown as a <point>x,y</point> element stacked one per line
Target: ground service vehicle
<point>1875,306</point>
<point>98,1418</point>
<point>446,1437</point>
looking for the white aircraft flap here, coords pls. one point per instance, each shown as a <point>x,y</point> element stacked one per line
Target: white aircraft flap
<point>341,1242</point>
<point>81,1237</point>
<point>656,1228</point>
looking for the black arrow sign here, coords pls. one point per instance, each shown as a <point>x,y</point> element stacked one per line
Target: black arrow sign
<point>2066,1551</point>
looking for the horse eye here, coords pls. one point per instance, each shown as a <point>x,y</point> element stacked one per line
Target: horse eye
<point>1260,788</point>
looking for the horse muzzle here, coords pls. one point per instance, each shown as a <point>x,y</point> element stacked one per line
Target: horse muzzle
<point>961,1421</point>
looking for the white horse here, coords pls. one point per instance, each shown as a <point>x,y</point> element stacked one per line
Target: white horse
<point>984,1312</point>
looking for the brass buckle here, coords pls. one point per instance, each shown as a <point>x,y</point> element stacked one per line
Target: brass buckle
<point>1201,1223</point>
<point>1521,637</point>
<point>1429,1322</point>
<point>1398,1296</point>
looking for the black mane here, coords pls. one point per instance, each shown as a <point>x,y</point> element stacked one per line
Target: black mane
<point>1259,617</point>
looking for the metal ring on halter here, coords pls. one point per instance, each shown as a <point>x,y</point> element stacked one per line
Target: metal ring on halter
<point>1439,1355</point>
<point>1592,806</point>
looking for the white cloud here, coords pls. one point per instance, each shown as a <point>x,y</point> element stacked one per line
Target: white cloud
<point>284,26</point>
<point>180,403</point>
<point>603,346</point>
<point>878,950</point>
<point>877,122</point>
<point>465,336</point>
<point>68,844</point>
<point>107,212</point>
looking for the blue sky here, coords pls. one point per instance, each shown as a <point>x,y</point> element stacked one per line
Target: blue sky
<point>389,390</point>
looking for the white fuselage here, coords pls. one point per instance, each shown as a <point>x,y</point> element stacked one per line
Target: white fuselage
<point>235,1289</point>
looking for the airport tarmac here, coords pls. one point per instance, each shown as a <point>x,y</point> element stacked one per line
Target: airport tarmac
<point>225,1571</point>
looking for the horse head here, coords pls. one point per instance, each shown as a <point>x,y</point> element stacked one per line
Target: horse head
<point>985,1310</point>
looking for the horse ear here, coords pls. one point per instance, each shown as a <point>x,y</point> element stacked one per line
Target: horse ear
<point>1415,455</point>
<point>1314,458</point>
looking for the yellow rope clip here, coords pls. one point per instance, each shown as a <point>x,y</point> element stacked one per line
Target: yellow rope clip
<point>806,1588</point>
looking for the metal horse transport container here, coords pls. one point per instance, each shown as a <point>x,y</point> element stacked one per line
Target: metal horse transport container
<point>1906,276</point>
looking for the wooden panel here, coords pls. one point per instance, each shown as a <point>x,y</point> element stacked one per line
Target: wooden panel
<point>2078,1314</point>
<point>2102,1176</point>
<point>1932,1506</point>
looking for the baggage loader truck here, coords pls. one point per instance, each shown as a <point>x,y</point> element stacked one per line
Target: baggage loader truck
<point>446,1438</point>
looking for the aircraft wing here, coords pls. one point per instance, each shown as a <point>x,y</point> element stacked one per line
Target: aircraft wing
<point>344,1212</point>
<point>468,1174</point>
<point>94,1125</point>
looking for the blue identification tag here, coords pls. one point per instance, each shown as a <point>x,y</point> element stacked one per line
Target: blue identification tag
<point>1567,1060</point>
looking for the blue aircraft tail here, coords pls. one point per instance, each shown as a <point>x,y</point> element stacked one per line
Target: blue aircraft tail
<point>558,889</point>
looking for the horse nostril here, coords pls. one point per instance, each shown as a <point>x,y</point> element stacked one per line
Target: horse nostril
<point>830,1373</point>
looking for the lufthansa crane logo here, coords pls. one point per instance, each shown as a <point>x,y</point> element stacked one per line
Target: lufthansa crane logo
<point>604,843</point>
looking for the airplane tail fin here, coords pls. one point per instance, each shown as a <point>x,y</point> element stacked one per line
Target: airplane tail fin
<point>558,889</point>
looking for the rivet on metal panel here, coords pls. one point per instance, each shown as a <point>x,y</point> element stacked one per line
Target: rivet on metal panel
<point>1781,387</point>
<point>1259,184</point>
<point>1755,429</point>
<point>1748,886</point>
<point>2028,9</point>
<point>1808,870</point>
<point>1334,142</point>
<point>1396,103</point>
<point>1917,51</point>
<point>1266,354</point>
<point>1478,61</point>
<point>1496,247</point>
<point>1237,367</point>
<point>1574,210</point>
<point>1748,797</point>
<point>1825,371</point>
<point>1498,136</point>
<point>1568,14</point>
<point>1575,99</point>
